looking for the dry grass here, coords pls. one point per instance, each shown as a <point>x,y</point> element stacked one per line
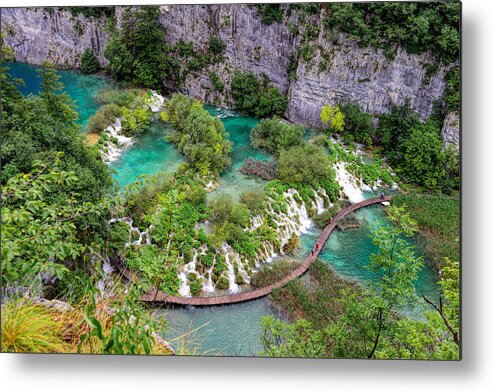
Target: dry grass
<point>92,138</point>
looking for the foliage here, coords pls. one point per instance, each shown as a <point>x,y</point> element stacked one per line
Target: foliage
<point>43,221</point>
<point>270,13</point>
<point>136,50</point>
<point>304,164</point>
<point>253,96</point>
<point>417,27</point>
<point>254,200</point>
<point>369,318</point>
<point>275,136</point>
<point>216,82</point>
<point>31,328</point>
<point>104,117</point>
<point>438,224</point>
<point>31,132</point>
<point>91,12</point>
<point>423,158</point>
<point>89,63</point>
<point>452,92</point>
<point>358,125</point>
<point>333,117</point>
<point>199,136</point>
<point>299,339</point>
<point>272,273</point>
<point>223,209</point>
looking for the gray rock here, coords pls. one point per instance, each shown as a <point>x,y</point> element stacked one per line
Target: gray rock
<point>36,35</point>
<point>451,130</point>
<point>352,74</point>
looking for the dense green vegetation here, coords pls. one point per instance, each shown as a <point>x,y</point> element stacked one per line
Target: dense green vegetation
<point>257,97</point>
<point>437,217</point>
<point>199,136</point>
<point>274,135</point>
<point>270,13</point>
<point>417,27</point>
<point>307,164</point>
<point>358,125</point>
<point>89,63</point>
<point>367,322</point>
<point>136,50</point>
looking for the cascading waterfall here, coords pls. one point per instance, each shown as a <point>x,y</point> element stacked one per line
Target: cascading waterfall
<point>142,234</point>
<point>233,286</point>
<point>117,142</point>
<point>348,183</point>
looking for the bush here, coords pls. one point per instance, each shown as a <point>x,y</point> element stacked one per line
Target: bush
<point>274,135</point>
<point>292,244</point>
<point>216,45</point>
<point>306,164</point>
<point>357,124</point>
<point>216,82</point>
<point>104,117</point>
<point>272,273</point>
<point>270,13</point>
<point>89,63</point>
<point>254,200</point>
<point>254,97</point>
<point>452,92</point>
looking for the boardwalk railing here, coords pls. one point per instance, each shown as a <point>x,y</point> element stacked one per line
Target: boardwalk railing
<point>152,296</point>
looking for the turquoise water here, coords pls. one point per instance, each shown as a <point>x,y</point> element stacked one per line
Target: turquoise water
<point>233,182</point>
<point>149,154</point>
<point>233,329</point>
<point>81,88</point>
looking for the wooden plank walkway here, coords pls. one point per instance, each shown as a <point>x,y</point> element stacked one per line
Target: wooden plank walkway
<point>152,296</point>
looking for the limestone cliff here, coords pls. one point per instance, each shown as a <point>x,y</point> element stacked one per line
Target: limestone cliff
<point>337,71</point>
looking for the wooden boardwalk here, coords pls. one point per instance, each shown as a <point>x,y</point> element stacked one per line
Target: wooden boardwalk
<point>159,297</point>
<point>152,296</point>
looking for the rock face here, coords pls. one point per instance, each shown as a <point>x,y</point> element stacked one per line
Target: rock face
<point>36,35</point>
<point>451,130</point>
<point>337,71</point>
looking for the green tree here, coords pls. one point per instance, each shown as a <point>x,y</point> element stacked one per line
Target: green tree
<point>40,231</point>
<point>136,51</point>
<point>333,117</point>
<point>274,135</point>
<point>89,63</point>
<point>423,158</point>
<point>371,319</point>
<point>308,164</point>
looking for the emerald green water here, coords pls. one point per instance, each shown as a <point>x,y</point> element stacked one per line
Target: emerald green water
<point>81,88</point>
<point>233,329</point>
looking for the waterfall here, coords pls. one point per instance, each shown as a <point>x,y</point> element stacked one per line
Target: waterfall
<point>184,290</point>
<point>233,286</point>
<point>112,150</point>
<point>209,287</point>
<point>348,183</point>
<point>155,102</point>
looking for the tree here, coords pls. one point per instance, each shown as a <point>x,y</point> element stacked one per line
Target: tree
<point>58,102</point>
<point>308,164</point>
<point>274,135</point>
<point>89,63</point>
<point>423,160</point>
<point>369,320</point>
<point>332,117</point>
<point>136,51</point>
<point>40,231</point>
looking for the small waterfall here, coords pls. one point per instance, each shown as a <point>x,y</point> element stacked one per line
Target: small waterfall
<point>155,102</point>
<point>209,287</point>
<point>233,286</point>
<point>142,234</point>
<point>184,290</point>
<point>112,150</point>
<point>348,183</point>
<point>318,204</point>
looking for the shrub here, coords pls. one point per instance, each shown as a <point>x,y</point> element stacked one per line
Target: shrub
<point>271,273</point>
<point>216,82</point>
<point>254,97</point>
<point>270,13</point>
<point>104,117</point>
<point>274,135</point>
<point>254,200</point>
<point>306,164</point>
<point>89,63</point>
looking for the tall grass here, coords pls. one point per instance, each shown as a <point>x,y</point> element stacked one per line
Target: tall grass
<point>31,328</point>
<point>438,223</point>
<point>272,273</point>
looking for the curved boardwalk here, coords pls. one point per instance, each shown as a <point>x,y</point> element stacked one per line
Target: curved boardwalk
<point>151,295</point>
